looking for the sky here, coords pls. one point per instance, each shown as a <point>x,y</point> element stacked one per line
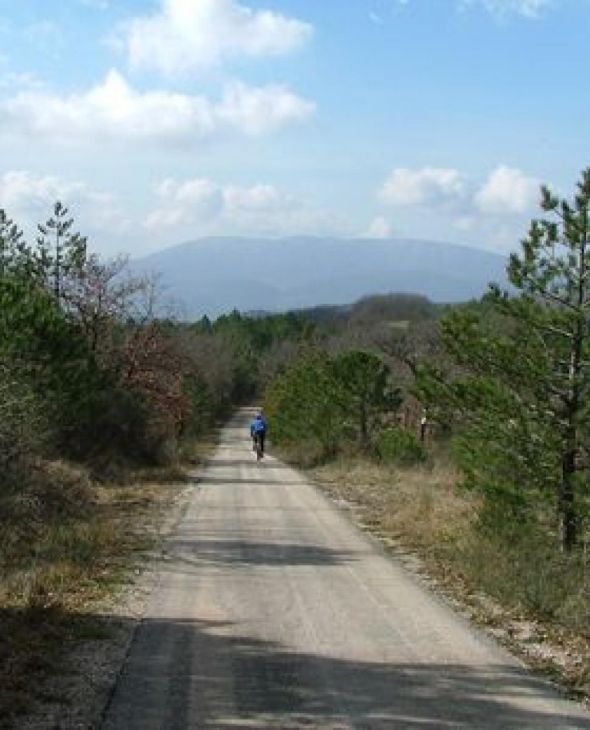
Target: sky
<point>161,121</point>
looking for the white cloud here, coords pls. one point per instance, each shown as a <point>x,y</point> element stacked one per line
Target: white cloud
<point>212,208</point>
<point>259,110</point>
<point>95,4</point>
<point>114,110</point>
<point>21,190</point>
<point>255,198</point>
<point>465,223</point>
<point>426,186</point>
<point>507,191</point>
<point>186,35</point>
<point>20,80</point>
<point>379,228</point>
<point>504,8</point>
<point>201,201</point>
<point>187,202</point>
<point>499,9</point>
<point>28,198</point>
<point>494,209</point>
<point>375,18</point>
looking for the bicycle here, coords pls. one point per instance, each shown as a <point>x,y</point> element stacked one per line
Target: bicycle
<point>257,447</point>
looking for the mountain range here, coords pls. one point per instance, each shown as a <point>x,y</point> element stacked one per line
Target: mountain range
<point>215,275</point>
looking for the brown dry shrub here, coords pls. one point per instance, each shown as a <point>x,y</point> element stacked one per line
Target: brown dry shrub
<point>419,505</point>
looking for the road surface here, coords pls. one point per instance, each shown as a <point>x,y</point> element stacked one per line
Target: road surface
<point>271,610</point>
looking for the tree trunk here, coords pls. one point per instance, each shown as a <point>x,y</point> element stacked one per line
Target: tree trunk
<point>567,499</point>
<point>569,465</point>
<point>364,431</point>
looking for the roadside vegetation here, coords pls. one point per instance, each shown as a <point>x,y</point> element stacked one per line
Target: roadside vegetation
<point>459,430</point>
<point>476,448</point>
<point>102,404</point>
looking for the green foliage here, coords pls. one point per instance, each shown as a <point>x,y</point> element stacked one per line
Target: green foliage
<point>60,251</point>
<point>49,351</point>
<point>364,380</point>
<point>15,255</point>
<point>518,565</point>
<point>392,308</point>
<point>22,428</point>
<point>519,388</point>
<point>257,334</point>
<point>203,408</point>
<point>305,404</point>
<point>76,360</point>
<point>252,343</point>
<point>400,446</point>
<point>330,400</point>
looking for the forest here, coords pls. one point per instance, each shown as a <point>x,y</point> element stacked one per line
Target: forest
<point>96,384</point>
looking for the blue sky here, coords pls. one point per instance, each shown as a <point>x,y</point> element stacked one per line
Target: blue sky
<point>159,121</point>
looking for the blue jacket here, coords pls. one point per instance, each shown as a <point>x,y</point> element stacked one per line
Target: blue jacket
<point>258,425</point>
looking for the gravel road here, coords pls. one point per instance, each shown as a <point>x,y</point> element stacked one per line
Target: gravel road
<point>271,610</point>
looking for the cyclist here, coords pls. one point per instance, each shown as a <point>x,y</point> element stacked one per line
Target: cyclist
<point>258,429</point>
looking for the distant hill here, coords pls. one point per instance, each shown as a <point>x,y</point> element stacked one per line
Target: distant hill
<point>215,275</point>
<point>369,310</point>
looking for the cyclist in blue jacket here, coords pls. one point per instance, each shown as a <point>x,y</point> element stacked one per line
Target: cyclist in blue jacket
<point>258,429</point>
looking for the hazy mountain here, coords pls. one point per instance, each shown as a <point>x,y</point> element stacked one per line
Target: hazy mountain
<point>214,275</point>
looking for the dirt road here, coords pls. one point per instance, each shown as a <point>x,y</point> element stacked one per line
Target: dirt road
<point>272,611</point>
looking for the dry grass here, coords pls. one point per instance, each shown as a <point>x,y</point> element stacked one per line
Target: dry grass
<point>198,451</point>
<point>533,599</point>
<point>420,506</point>
<point>66,544</point>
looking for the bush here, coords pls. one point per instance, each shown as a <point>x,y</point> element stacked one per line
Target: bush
<point>50,496</point>
<point>22,429</point>
<point>305,404</point>
<point>520,567</point>
<point>398,446</point>
<point>331,400</point>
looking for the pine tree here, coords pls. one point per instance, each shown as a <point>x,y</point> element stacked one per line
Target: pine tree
<point>521,386</point>
<point>554,272</point>
<point>15,254</point>
<point>366,389</point>
<point>60,251</point>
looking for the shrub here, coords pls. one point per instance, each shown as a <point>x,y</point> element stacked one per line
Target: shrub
<point>520,567</point>
<point>398,446</point>
<point>22,429</point>
<point>305,404</point>
<point>331,400</point>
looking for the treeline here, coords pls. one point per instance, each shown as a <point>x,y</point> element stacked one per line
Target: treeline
<point>92,376</point>
<point>89,372</point>
<point>79,345</point>
<point>516,387</point>
<point>504,381</point>
<point>349,389</point>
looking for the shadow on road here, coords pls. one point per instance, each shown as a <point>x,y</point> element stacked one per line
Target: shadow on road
<point>263,685</point>
<point>206,479</point>
<point>222,463</point>
<point>185,674</point>
<point>246,552</point>
<point>238,440</point>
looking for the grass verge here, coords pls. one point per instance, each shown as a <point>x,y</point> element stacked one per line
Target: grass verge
<point>534,600</point>
<point>68,546</point>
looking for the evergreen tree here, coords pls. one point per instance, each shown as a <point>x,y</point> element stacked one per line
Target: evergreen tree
<point>522,383</point>
<point>364,379</point>
<point>330,400</point>
<point>15,254</point>
<point>60,250</point>
<point>304,404</point>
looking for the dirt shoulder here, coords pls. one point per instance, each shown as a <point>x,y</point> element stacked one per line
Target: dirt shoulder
<point>419,517</point>
<point>64,638</point>
<point>82,674</point>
